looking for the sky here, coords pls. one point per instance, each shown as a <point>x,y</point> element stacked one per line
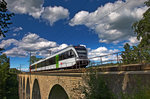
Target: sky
<point>44,26</point>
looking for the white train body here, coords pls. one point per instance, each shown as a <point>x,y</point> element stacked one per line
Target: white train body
<point>70,57</point>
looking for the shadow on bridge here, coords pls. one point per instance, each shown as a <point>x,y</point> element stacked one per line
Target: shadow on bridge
<point>36,90</point>
<point>28,89</point>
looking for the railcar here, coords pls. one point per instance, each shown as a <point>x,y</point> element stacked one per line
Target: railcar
<point>70,57</point>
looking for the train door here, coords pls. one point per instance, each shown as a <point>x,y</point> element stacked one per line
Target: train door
<point>57,61</point>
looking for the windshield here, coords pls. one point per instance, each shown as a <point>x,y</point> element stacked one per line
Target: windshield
<point>82,52</point>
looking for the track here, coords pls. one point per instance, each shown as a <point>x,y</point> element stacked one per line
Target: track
<point>130,67</point>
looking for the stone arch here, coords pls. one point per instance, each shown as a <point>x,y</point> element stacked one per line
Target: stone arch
<point>23,87</point>
<point>28,89</point>
<point>58,92</point>
<point>36,90</point>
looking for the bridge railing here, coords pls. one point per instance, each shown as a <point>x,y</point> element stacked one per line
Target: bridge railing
<point>132,56</point>
<point>109,59</point>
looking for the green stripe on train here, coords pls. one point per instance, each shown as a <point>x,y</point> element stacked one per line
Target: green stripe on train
<point>57,61</point>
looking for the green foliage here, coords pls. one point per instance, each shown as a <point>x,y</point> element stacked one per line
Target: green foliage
<point>96,87</point>
<point>140,94</point>
<point>4,74</point>
<point>134,54</point>
<point>142,28</point>
<point>8,82</point>
<point>12,87</point>
<point>140,91</point>
<point>34,59</point>
<point>5,18</point>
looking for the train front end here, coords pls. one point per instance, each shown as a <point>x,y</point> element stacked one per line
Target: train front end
<point>82,56</point>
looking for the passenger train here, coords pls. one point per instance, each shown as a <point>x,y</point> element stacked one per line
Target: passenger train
<point>70,57</point>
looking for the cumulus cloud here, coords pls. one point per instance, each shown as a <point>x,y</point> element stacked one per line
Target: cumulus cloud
<point>16,52</point>
<point>112,22</point>
<point>53,14</point>
<point>133,41</point>
<point>31,7</point>
<point>7,43</point>
<point>62,46</point>
<point>31,43</point>
<point>35,9</point>
<point>102,51</point>
<point>51,51</point>
<point>17,29</point>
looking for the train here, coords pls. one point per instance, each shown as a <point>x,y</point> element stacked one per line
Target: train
<point>69,57</point>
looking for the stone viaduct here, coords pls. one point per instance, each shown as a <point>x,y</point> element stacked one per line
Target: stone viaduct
<point>67,85</point>
<point>49,86</point>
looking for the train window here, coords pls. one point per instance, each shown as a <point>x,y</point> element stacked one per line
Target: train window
<point>52,60</point>
<point>60,57</point>
<point>63,56</point>
<point>66,55</point>
<point>47,62</point>
<point>44,63</point>
<point>33,66</point>
<point>71,54</point>
<point>39,64</point>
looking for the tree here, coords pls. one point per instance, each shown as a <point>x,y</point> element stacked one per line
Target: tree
<point>142,28</point>
<point>8,81</point>
<point>4,74</point>
<point>34,59</point>
<point>126,55</point>
<point>96,87</point>
<point>5,18</point>
<point>131,55</point>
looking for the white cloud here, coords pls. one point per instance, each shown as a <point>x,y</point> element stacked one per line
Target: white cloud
<point>53,14</point>
<point>24,69</point>
<point>6,43</point>
<point>16,52</point>
<point>112,22</point>
<point>17,29</point>
<point>51,51</point>
<point>133,41</point>
<point>62,46</point>
<point>35,9</point>
<point>102,51</point>
<point>31,7</point>
<point>31,43</point>
<point>14,34</point>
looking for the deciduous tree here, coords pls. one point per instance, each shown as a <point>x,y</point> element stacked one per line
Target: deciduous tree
<point>142,28</point>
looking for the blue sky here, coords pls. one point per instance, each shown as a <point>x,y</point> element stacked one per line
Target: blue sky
<point>40,26</point>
